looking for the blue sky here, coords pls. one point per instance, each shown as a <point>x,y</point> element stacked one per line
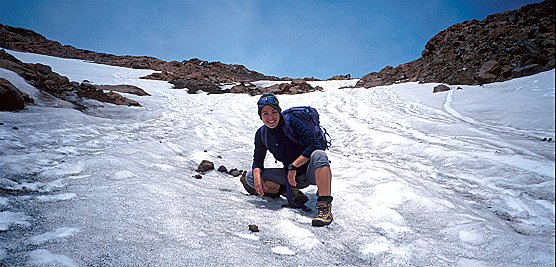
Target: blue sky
<point>281,38</point>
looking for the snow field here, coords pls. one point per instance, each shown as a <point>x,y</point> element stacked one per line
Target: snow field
<point>447,179</point>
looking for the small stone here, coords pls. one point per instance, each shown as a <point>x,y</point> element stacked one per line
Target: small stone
<point>198,176</point>
<point>205,165</point>
<point>15,128</point>
<point>1,123</point>
<point>222,168</point>
<point>253,228</point>
<point>219,156</point>
<point>235,173</point>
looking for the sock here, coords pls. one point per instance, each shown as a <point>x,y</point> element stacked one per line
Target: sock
<point>325,198</point>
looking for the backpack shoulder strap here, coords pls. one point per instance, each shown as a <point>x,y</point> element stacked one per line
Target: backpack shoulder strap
<point>264,135</point>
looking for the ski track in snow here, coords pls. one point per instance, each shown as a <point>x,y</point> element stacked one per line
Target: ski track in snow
<point>419,180</point>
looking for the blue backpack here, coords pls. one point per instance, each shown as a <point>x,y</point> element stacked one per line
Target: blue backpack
<point>310,117</point>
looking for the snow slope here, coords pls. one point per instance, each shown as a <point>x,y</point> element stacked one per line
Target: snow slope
<point>420,179</point>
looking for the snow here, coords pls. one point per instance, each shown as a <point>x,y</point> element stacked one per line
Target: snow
<point>41,257</point>
<point>460,178</point>
<point>57,233</point>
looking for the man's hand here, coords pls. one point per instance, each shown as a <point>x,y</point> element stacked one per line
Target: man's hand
<point>260,186</point>
<point>291,177</point>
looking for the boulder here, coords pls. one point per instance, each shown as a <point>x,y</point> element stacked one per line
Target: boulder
<point>204,166</point>
<point>11,98</point>
<point>440,88</point>
<point>488,72</point>
<point>124,88</point>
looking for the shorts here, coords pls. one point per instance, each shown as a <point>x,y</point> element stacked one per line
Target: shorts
<point>317,160</point>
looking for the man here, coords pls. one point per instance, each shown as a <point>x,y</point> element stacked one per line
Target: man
<point>305,162</point>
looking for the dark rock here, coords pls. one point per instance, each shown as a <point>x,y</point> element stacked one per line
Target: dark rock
<point>253,228</point>
<point>235,173</point>
<point>245,88</point>
<point>205,165</point>
<point>198,176</point>
<point>340,77</point>
<point>11,98</point>
<point>532,69</point>
<point>222,168</point>
<point>124,88</point>
<point>43,69</point>
<point>440,88</point>
<point>92,92</point>
<point>15,128</point>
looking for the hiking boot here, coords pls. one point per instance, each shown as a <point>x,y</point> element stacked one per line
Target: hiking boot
<point>298,197</point>
<point>324,214</point>
<point>249,189</point>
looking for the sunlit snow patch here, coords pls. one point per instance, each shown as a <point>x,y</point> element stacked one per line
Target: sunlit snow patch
<point>300,237</point>
<point>248,236</point>
<point>8,218</point>
<point>3,201</point>
<point>50,198</point>
<point>46,257</point>
<point>283,250</point>
<point>57,233</point>
<point>382,245</point>
<point>121,175</point>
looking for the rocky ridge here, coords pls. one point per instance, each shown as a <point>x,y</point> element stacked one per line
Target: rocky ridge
<point>43,78</point>
<point>195,74</point>
<point>501,47</point>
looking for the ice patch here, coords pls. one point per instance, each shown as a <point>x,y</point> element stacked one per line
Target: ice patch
<point>248,236</point>
<point>283,250</point>
<point>393,194</point>
<point>3,201</point>
<point>471,237</point>
<point>58,233</point>
<point>121,175</point>
<point>46,257</point>
<point>299,236</point>
<point>8,218</point>
<point>472,263</point>
<point>392,228</point>
<point>379,246</point>
<point>75,177</point>
<point>164,167</point>
<point>64,169</point>
<point>382,245</point>
<point>38,186</point>
<point>67,150</point>
<point>49,198</point>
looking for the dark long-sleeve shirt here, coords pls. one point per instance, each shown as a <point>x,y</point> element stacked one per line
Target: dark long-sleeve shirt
<point>282,147</point>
